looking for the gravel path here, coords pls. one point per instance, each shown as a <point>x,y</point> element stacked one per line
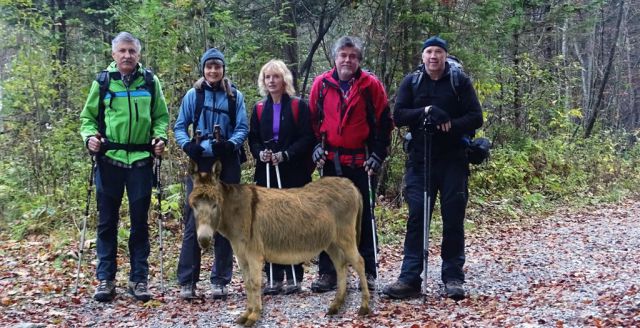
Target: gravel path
<point>572,269</point>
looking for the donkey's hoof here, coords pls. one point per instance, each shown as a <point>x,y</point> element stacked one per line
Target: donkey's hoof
<point>241,320</point>
<point>332,310</point>
<point>364,311</point>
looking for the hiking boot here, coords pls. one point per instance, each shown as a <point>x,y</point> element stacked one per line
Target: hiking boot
<point>139,290</point>
<point>219,291</point>
<point>401,290</point>
<point>454,290</point>
<point>275,290</point>
<point>325,283</point>
<point>105,292</point>
<point>188,292</point>
<point>291,288</point>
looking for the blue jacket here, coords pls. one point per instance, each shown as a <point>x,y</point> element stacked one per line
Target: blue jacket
<point>214,112</point>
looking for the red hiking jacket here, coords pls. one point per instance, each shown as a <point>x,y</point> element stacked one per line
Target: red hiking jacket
<point>347,120</point>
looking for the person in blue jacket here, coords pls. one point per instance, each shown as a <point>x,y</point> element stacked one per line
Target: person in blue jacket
<point>209,107</point>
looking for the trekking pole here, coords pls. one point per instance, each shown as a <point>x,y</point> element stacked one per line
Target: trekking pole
<point>293,270</point>
<point>267,164</point>
<point>160,216</point>
<point>428,131</point>
<point>84,221</point>
<point>372,204</point>
<point>323,138</point>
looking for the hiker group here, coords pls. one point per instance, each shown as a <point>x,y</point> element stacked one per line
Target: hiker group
<point>343,130</point>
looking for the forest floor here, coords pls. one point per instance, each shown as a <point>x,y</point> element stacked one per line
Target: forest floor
<point>574,268</point>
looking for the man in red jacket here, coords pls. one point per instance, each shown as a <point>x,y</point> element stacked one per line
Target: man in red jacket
<point>351,118</point>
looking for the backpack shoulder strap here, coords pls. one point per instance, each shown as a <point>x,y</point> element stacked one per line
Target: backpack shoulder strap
<point>150,85</point>
<point>454,76</point>
<point>416,78</point>
<point>199,106</point>
<point>231,105</point>
<point>295,109</point>
<point>320,102</point>
<point>259,109</point>
<point>103,80</point>
<point>371,116</point>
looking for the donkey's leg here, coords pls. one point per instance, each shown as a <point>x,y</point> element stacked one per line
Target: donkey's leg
<point>244,269</point>
<point>337,257</point>
<point>253,288</point>
<point>354,258</point>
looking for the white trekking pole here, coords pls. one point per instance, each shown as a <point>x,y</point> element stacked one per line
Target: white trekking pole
<point>267,164</point>
<point>293,270</point>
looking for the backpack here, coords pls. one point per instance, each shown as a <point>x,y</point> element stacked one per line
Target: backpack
<point>456,74</point>
<point>104,79</point>
<point>295,110</point>
<point>231,107</point>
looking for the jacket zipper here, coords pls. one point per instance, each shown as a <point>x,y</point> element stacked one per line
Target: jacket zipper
<point>130,118</point>
<point>135,102</point>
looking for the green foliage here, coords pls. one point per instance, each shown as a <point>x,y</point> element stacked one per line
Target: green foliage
<point>530,93</point>
<point>535,175</point>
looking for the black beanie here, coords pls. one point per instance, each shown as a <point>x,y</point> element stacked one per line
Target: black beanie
<point>435,41</point>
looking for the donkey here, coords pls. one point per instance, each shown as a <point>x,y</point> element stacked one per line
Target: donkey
<point>284,226</point>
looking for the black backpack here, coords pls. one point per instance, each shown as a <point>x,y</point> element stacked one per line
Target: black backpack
<point>478,150</point>
<point>231,107</point>
<point>456,74</point>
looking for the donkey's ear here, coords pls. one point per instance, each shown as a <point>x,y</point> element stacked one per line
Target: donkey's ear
<point>193,167</point>
<point>216,169</point>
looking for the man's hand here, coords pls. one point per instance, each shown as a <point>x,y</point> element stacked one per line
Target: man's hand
<point>439,117</point>
<point>373,164</point>
<point>158,146</point>
<point>319,156</point>
<point>94,143</point>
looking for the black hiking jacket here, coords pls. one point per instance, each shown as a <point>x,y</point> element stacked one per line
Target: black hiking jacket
<point>295,137</point>
<point>463,108</point>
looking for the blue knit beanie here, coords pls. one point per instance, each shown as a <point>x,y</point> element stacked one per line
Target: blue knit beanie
<point>435,41</point>
<point>212,53</point>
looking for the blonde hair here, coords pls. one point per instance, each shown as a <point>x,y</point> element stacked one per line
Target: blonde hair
<point>278,67</point>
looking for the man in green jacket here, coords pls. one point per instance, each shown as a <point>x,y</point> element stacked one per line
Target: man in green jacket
<point>125,132</point>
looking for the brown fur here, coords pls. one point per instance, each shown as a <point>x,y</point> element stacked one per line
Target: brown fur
<point>286,226</point>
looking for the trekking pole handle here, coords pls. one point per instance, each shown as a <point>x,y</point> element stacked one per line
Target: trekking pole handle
<point>216,133</point>
<point>198,136</point>
<point>323,140</point>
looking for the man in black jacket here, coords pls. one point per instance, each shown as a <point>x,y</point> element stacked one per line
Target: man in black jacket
<point>450,113</point>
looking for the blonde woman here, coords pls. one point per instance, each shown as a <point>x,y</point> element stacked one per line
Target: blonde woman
<point>281,140</point>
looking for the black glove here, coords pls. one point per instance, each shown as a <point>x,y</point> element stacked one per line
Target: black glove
<point>437,115</point>
<point>193,150</point>
<point>373,163</point>
<point>318,154</point>
<point>223,147</point>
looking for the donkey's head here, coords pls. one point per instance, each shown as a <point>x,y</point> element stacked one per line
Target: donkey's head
<point>206,201</point>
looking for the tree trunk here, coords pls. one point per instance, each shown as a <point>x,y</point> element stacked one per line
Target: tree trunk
<point>607,72</point>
